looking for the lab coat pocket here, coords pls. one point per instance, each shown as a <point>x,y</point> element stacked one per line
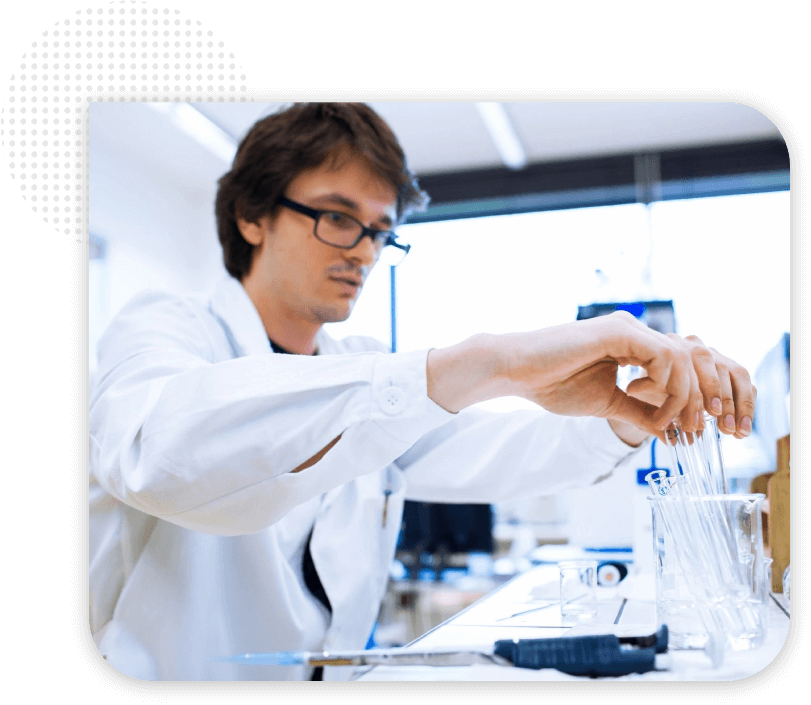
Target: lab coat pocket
<point>352,548</point>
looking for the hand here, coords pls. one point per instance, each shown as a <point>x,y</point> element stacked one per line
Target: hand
<point>682,378</point>
<point>726,387</point>
<point>571,370</point>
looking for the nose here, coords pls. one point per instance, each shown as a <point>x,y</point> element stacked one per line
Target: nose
<point>364,253</point>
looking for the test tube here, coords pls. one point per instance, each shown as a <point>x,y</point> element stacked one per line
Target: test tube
<point>688,565</point>
<point>711,446</point>
<point>698,456</point>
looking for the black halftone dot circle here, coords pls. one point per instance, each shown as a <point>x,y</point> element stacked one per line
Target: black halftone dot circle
<point>126,47</point>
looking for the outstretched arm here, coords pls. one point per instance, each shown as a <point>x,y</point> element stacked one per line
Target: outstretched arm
<point>571,370</point>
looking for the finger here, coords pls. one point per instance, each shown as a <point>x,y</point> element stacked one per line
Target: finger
<point>683,373</point>
<point>680,387</point>
<point>704,384</point>
<point>707,373</point>
<point>754,401</point>
<point>726,419</point>
<point>672,434</point>
<point>744,393</point>
<point>690,416</point>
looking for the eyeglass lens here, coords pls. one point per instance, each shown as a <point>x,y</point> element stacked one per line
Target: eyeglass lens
<point>344,231</point>
<point>341,230</point>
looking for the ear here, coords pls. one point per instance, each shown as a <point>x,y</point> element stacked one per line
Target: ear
<point>254,233</point>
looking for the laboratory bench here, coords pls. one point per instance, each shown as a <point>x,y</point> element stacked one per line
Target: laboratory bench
<point>527,607</point>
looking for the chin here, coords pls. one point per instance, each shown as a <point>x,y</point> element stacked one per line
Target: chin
<point>332,314</point>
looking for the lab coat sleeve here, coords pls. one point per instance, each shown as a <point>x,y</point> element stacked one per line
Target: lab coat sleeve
<point>485,457</point>
<point>210,445</point>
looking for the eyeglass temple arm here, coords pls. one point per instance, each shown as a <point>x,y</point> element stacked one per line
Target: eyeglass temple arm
<point>401,245</point>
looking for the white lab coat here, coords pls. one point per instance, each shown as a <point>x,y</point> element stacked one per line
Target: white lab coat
<point>197,527</point>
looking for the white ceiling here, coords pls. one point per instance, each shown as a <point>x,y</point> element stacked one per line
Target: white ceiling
<point>440,136</point>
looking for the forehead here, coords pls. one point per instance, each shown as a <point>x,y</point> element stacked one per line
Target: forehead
<point>346,178</point>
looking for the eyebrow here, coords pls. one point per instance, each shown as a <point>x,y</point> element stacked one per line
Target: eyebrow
<point>340,200</point>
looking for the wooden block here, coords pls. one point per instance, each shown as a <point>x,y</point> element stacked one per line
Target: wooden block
<point>760,485</point>
<point>779,494</point>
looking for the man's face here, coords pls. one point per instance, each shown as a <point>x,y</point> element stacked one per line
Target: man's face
<point>303,277</point>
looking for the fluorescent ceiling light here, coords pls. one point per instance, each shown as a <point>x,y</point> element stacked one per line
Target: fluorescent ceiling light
<point>199,128</point>
<point>503,134</point>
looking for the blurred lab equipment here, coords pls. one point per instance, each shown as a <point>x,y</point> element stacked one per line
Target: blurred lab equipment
<point>443,563</point>
<point>578,591</point>
<point>751,461</point>
<point>610,573</point>
<point>657,315</point>
<point>435,537</point>
<point>772,378</point>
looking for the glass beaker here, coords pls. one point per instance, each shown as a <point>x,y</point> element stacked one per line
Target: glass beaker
<point>578,590</point>
<point>711,571</point>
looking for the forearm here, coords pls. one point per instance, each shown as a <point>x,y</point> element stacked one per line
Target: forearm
<point>571,370</point>
<point>529,364</point>
<point>533,365</point>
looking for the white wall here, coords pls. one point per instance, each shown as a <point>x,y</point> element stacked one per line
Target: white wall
<point>159,233</point>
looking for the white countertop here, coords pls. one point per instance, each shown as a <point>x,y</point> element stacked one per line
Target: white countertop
<point>627,609</point>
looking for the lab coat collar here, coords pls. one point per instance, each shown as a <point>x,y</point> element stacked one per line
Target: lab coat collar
<point>235,310</point>
<point>232,305</point>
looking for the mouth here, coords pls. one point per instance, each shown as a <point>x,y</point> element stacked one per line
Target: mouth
<point>349,284</point>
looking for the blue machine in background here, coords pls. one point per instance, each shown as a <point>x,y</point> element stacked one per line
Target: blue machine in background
<point>657,315</point>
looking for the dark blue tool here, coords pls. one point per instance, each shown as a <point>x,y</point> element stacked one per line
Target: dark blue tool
<point>588,656</point>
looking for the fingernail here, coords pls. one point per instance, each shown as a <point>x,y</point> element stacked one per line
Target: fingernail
<point>729,422</point>
<point>715,405</point>
<point>746,425</point>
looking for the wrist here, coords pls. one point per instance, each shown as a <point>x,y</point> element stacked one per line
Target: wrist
<point>628,433</point>
<point>467,373</point>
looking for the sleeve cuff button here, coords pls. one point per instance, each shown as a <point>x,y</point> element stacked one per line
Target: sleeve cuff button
<point>392,400</point>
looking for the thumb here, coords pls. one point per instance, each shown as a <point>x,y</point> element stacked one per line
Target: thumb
<point>647,390</point>
<point>633,411</point>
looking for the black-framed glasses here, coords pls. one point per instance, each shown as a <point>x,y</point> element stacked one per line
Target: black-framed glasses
<point>341,230</point>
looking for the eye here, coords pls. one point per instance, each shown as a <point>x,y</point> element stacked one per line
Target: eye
<point>340,221</point>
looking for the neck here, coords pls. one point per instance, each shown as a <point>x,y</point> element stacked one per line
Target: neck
<point>293,333</point>
<point>294,341</point>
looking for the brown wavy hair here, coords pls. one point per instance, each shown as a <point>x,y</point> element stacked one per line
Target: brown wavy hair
<point>296,138</point>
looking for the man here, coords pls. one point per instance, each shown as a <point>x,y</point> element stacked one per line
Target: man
<point>248,472</point>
